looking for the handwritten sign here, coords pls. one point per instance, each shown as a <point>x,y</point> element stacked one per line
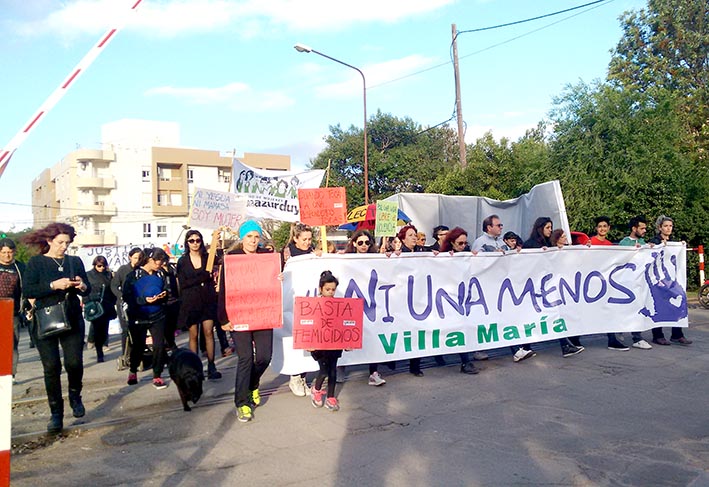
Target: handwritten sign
<point>253,291</point>
<point>327,323</point>
<point>386,218</point>
<point>323,206</point>
<point>213,209</point>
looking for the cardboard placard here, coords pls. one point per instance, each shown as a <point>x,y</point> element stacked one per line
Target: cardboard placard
<point>213,209</point>
<point>386,218</point>
<point>327,323</point>
<point>253,291</point>
<point>323,206</point>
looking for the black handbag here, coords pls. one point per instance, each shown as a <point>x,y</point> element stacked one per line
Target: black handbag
<point>52,320</point>
<point>93,310</point>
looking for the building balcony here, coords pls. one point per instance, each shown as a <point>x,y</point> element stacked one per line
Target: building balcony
<point>96,183</point>
<point>95,209</point>
<point>94,155</point>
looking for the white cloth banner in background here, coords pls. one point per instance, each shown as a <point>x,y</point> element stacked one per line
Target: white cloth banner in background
<point>273,194</point>
<point>418,305</point>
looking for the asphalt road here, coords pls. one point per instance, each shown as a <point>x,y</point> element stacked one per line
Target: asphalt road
<point>603,417</point>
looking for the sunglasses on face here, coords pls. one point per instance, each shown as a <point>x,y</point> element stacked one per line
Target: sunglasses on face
<point>460,243</point>
<point>363,242</point>
<point>100,266</point>
<point>194,240</point>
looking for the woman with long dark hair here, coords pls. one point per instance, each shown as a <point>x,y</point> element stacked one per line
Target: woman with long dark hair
<point>145,291</point>
<point>51,277</point>
<point>100,279</point>
<point>199,298</point>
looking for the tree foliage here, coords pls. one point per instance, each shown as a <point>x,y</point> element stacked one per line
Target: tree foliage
<point>403,157</point>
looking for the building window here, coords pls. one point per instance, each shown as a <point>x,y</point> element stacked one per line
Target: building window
<point>224,175</point>
<point>146,230</point>
<point>190,175</point>
<point>162,231</point>
<point>146,175</point>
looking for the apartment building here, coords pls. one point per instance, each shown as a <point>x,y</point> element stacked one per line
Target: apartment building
<point>135,189</point>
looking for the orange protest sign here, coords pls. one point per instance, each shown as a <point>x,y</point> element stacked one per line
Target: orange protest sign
<point>323,206</point>
<point>253,291</point>
<point>327,323</point>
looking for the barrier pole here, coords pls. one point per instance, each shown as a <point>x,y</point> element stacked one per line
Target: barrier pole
<point>700,251</point>
<point>6,342</point>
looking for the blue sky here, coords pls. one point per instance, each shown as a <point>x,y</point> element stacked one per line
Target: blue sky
<point>226,70</point>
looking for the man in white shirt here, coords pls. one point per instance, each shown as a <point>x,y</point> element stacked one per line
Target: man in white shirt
<point>491,239</point>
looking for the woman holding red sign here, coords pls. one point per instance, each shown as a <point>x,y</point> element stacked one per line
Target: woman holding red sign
<point>254,348</point>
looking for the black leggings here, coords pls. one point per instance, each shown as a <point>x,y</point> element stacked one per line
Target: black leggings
<point>72,343</point>
<point>254,350</point>
<point>138,332</point>
<point>328,368</point>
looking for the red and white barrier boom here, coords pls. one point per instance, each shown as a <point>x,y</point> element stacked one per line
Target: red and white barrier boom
<point>7,151</point>
<point>6,337</point>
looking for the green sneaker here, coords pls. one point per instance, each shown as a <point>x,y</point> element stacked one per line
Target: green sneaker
<point>255,398</point>
<point>244,414</point>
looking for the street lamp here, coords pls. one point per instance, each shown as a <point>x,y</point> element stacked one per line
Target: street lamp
<point>304,48</point>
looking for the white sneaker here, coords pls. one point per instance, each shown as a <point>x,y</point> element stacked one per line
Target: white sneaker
<point>376,380</point>
<point>480,356</point>
<point>523,354</point>
<point>642,345</point>
<point>296,385</point>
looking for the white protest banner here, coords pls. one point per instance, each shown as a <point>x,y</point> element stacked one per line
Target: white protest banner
<point>116,255</point>
<point>273,194</point>
<point>212,209</point>
<point>418,305</point>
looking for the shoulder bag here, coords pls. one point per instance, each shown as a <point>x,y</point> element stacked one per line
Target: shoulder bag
<point>52,320</point>
<point>93,310</point>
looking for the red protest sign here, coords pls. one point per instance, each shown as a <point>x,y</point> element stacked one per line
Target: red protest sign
<point>323,206</point>
<point>327,323</point>
<point>253,291</point>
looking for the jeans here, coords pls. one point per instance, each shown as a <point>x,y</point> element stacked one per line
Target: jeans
<point>254,350</point>
<point>72,343</point>
<point>676,333</point>
<point>16,322</point>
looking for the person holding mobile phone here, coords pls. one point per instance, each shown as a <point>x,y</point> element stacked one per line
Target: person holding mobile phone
<point>145,291</point>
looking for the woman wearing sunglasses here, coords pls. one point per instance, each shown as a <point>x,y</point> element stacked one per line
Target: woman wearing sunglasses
<point>362,242</point>
<point>199,298</point>
<point>100,279</point>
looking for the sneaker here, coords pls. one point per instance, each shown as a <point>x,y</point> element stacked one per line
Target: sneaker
<point>661,341</point>
<point>332,404</point>
<point>317,397</point>
<point>469,368</point>
<point>158,383</point>
<point>523,354</point>
<point>340,379</point>
<point>569,350</point>
<point>681,341</point>
<point>376,380</point>
<point>255,398</point>
<point>296,385</point>
<point>244,414</point>
<point>618,346</point>
<point>90,345</point>
<point>132,379</point>
<point>480,356</point>
<point>642,345</point>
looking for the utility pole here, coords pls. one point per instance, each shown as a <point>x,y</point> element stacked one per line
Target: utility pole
<point>458,103</point>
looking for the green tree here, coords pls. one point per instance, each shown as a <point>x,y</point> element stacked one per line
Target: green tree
<point>665,48</point>
<point>403,157</point>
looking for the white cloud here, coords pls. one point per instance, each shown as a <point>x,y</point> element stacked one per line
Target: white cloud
<point>238,97</point>
<point>246,17</point>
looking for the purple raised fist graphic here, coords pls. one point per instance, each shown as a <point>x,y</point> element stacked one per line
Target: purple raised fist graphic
<point>668,296</point>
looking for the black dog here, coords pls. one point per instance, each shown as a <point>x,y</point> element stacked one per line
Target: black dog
<point>187,374</point>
